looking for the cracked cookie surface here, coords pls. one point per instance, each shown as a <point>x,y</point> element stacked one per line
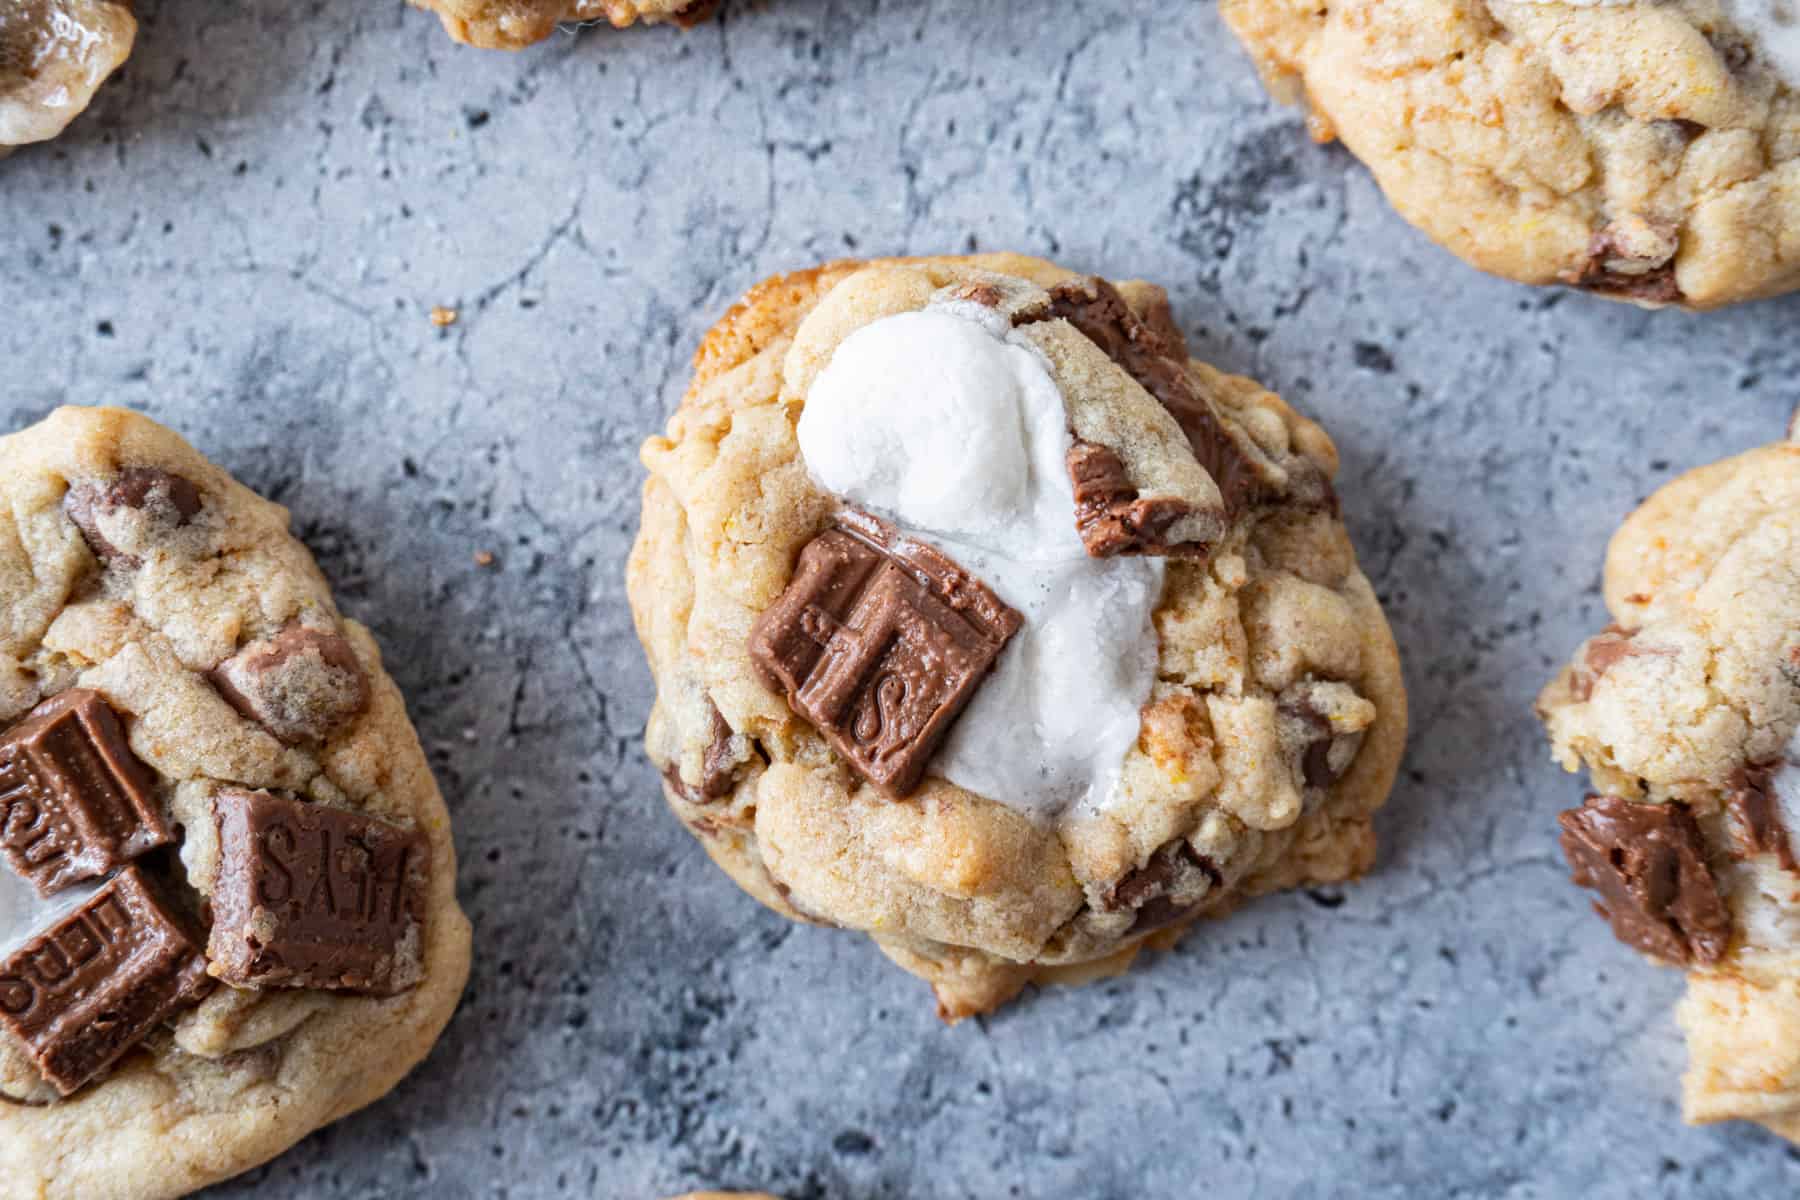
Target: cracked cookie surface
<point>1274,716</point>
<point>293,851</point>
<point>1686,715</point>
<point>1647,150</point>
<point>515,24</point>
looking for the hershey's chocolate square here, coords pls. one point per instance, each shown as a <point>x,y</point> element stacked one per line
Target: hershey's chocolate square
<point>880,641</point>
<point>75,802</point>
<point>315,897</point>
<point>81,993</point>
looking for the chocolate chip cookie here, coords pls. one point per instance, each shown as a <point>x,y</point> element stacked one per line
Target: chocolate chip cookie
<point>1640,149</point>
<point>1686,714</point>
<point>54,55</point>
<point>515,24</point>
<point>987,622</point>
<point>227,888</point>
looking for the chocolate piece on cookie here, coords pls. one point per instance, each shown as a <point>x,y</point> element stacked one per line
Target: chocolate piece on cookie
<point>880,641</point>
<point>83,992</point>
<point>1116,513</point>
<point>314,897</point>
<point>75,802</point>
<point>1113,517</point>
<point>302,684</point>
<point>1634,262</point>
<point>1648,864</point>
<point>1244,473</point>
<point>1175,882</point>
<point>718,767</point>
<point>1755,810</point>
<point>141,495</point>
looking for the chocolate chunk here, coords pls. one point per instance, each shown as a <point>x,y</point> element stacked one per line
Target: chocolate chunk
<point>1683,129</point>
<point>984,294</point>
<point>1756,814</point>
<point>1160,318</point>
<point>315,897</point>
<point>1315,761</point>
<point>83,992</point>
<point>1111,516</point>
<point>1648,863</point>
<point>693,14</point>
<point>1612,270</point>
<point>718,769</point>
<point>1244,474</point>
<point>1603,651</point>
<point>147,489</point>
<point>1733,49</point>
<point>716,763</point>
<point>301,685</point>
<point>75,802</point>
<point>1175,882</point>
<point>880,641</point>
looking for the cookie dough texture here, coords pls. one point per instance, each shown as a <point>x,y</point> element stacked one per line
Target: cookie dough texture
<point>1699,680</point>
<point>54,54</point>
<point>970,893</point>
<point>1642,150</point>
<point>515,24</point>
<point>242,1076</point>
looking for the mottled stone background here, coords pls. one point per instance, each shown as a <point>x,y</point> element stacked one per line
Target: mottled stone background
<point>244,238</point>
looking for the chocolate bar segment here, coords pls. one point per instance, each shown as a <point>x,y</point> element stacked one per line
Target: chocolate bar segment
<point>315,897</point>
<point>75,802</point>
<point>86,990</point>
<point>880,641</point>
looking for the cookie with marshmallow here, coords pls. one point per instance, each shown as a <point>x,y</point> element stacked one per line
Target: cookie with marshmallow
<point>987,622</point>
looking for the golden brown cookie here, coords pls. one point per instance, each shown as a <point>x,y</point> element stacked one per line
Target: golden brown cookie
<point>1640,149</point>
<point>227,886</point>
<point>1686,714</point>
<point>1198,701</point>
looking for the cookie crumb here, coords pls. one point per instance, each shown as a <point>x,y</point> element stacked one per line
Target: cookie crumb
<point>443,317</point>
<point>484,558</point>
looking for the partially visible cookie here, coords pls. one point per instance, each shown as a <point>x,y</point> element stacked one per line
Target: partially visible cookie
<point>1647,150</point>
<point>515,24</point>
<point>54,55</point>
<point>227,886</point>
<point>1686,714</point>
<point>986,621</point>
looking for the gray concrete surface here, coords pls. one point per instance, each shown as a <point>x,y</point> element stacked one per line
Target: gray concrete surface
<point>243,239</point>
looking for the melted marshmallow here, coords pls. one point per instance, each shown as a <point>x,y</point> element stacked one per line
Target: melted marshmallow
<point>1771,917</point>
<point>948,424</point>
<point>23,912</point>
<point>1774,25</point>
